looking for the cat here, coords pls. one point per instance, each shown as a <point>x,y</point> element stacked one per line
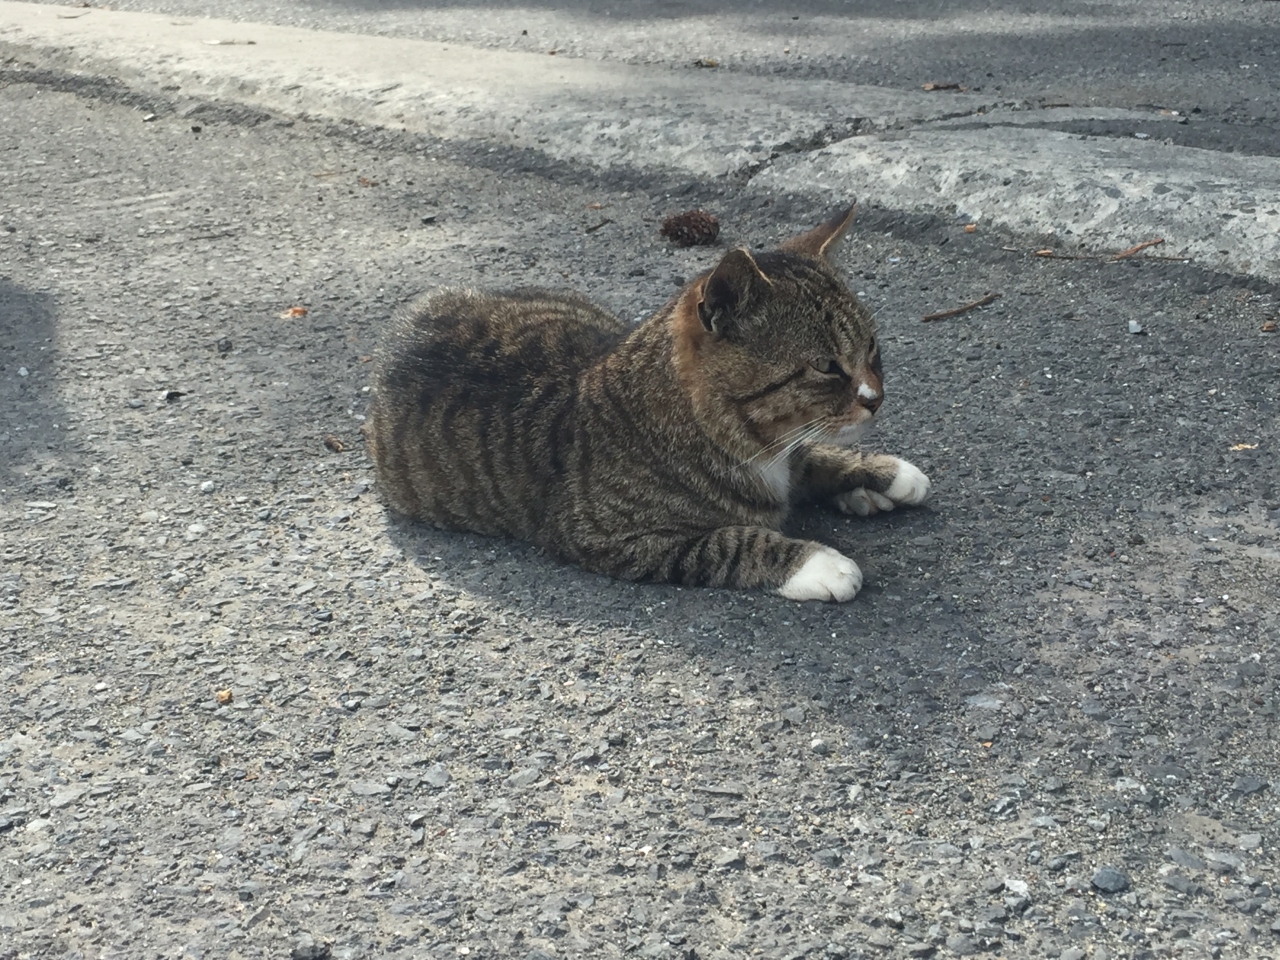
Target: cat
<point>669,452</point>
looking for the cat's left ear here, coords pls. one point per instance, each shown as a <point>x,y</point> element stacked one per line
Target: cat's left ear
<point>822,239</point>
<point>733,284</point>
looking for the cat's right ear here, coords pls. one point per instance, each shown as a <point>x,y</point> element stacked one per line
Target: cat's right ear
<point>820,242</point>
<point>733,284</point>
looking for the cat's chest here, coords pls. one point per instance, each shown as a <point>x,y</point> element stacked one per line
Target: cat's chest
<point>776,478</point>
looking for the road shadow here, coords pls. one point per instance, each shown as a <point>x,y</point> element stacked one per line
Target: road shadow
<point>31,415</point>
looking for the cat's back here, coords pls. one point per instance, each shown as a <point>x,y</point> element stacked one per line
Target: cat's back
<point>497,340</point>
<point>470,390</point>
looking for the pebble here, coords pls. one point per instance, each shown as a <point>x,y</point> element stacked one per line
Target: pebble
<point>1249,841</point>
<point>829,857</point>
<point>369,788</point>
<point>1184,859</point>
<point>306,948</point>
<point>728,860</point>
<point>436,776</point>
<point>1249,784</point>
<point>962,945</point>
<point>1110,880</point>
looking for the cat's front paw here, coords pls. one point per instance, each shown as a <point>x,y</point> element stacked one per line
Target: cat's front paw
<point>910,486</point>
<point>827,575</point>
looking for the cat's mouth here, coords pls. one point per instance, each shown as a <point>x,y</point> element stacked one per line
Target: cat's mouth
<point>850,433</point>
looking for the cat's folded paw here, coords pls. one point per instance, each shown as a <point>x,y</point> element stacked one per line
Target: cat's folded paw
<point>910,485</point>
<point>827,575</point>
<point>862,502</point>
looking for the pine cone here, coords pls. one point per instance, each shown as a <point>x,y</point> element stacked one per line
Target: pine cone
<point>693,228</point>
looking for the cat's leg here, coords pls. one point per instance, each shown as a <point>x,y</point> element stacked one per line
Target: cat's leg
<point>859,483</point>
<point>741,557</point>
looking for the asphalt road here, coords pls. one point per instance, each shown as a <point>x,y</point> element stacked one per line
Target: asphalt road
<point>247,713</point>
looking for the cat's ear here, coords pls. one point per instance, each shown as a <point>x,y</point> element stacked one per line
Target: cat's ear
<point>822,239</point>
<point>735,282</point>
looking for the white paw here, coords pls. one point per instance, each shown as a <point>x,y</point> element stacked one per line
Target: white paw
<point>863,502</point>
<point>826,575</point>
<point>910,486</point>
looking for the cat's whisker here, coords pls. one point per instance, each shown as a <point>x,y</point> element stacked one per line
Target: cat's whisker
<point>812,433</point>
<point>784,438</point>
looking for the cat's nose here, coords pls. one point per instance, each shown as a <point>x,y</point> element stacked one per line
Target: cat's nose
<point>869,397</point>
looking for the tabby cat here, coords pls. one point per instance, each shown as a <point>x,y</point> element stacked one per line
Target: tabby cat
<point>669,452</point>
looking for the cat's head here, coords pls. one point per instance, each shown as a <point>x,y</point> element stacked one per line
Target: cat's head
<point>782,345</point>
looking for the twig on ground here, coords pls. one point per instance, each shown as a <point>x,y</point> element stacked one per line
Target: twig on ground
<point>943,314</point>
<point>598,225</point>
<point>1136,247</point>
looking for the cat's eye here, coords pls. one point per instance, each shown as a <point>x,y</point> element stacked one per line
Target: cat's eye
<point>829,367</point>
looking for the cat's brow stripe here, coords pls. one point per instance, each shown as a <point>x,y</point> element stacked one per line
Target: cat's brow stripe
<point>771,388</point>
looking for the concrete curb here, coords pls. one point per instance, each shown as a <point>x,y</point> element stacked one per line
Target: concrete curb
<point>1223,210</point>
<point>1107,194</point>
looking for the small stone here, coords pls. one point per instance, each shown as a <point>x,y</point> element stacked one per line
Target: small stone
<point>1184,859</point>
<point>223,346</point>
<point>730,788</point>
<point>368,788</point>
<point>962,945</point>
<point>306,948</point>
<point>65,796</point>
<point>1019,888</point>
<point>208,486</point>
<point>729,860</point>
<point>794,715</point>
<point>1135,327</point>
<point>1110,880</point>
<point>1072,953</point>
<point>1249,841</point>
<point>437,776</point>
<point>830,857</point>
<point>1183,885</point>
<point>1249,784</point>
<point>1220,861</point>
<point>820,747</point>
<point>524,778</point>
<point>768,850</point>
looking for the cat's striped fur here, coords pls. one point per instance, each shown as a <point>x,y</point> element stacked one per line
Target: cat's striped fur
<point>670,452</point>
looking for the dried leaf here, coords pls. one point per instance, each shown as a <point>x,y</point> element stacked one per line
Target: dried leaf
<point>1046,252</point>
<point>334,444</point>
<point>224,696</point>
<point>1244,446</point>
<point>970,228</point>
<point>595,206</point>
<point>706,63</point>
<point>366,182</point>
<point>293,313</point>
<point>1269,327</point>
